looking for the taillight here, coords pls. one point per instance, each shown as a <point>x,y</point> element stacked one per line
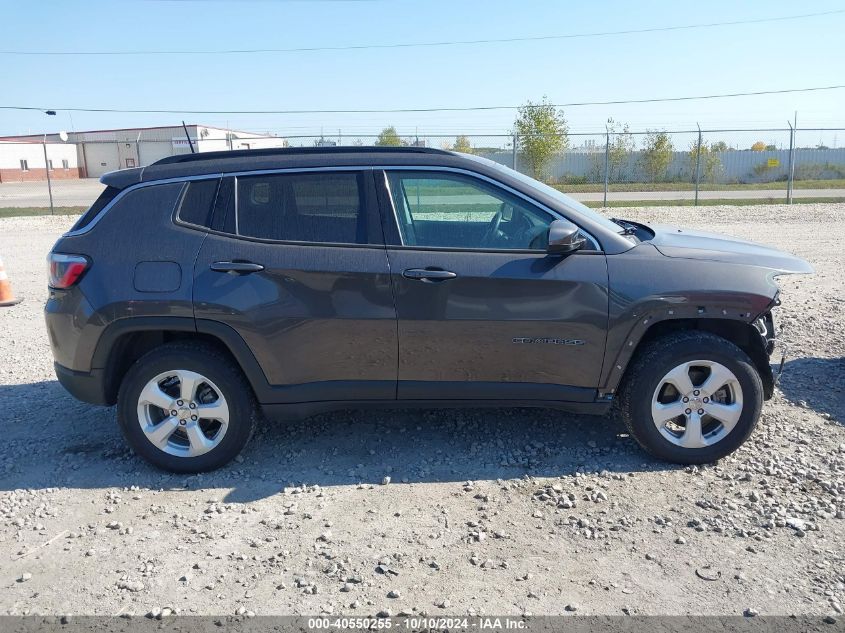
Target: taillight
<point>65,270</point>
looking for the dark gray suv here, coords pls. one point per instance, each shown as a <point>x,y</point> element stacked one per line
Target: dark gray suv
<point>205,288</point>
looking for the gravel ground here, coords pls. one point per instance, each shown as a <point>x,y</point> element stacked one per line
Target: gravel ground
<point>437,512</point>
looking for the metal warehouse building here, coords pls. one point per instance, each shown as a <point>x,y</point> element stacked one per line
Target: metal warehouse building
<point>91,154</point>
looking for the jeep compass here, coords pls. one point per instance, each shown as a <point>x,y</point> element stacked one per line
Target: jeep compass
<point>205,290</point>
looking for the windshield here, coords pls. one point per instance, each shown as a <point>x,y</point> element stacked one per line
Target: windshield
<point>561,197</point>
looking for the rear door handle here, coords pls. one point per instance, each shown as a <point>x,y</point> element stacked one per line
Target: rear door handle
<point>239,268</point>
<point>425,274</point>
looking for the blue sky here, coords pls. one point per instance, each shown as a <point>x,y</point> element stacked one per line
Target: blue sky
<point>789,54</point>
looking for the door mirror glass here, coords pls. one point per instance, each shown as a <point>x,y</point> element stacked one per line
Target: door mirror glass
<point>564,237</point>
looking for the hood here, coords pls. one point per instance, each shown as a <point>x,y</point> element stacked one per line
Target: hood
<point>673,241</point>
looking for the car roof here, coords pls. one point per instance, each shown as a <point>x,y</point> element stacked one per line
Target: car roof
<point>186,165</point>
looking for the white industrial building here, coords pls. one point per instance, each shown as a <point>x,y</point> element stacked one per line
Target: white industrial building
<point>22,162</point>
<point>96,152</point>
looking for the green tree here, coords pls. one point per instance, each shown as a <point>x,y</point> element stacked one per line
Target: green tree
<point>541,132</point>
<point>621,145</point>
<point>710,166</point>
<point>389,137</point>
<point>719,146</point>
<point>656,155</point>
<point>462,144</point>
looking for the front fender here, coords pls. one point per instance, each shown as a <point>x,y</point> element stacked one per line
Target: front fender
<point>687,289</point>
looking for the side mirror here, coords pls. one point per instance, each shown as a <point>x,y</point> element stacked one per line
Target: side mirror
<point>564,237</point>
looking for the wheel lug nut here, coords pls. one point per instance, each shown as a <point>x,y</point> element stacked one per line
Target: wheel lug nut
<point>194,418</point>
<point>686,399</point>
<point>180,402</point>
<point>696,392</point>
<point>182,422</point>
<point>706,400</point>
<point>174,412</point>
<point>701,412</point>
<point>193,405</point>
<point>688,411</point>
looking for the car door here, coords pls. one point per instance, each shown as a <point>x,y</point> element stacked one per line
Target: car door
<point>297,268</point>
<point>484,312</point>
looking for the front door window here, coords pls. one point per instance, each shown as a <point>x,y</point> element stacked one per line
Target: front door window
<point>459,212</point>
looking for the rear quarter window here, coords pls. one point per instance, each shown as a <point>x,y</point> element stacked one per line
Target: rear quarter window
<point>145,210</point>
<point>134,210</point>
<point>107,195</point>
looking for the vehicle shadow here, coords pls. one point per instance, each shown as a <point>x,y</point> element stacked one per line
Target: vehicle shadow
<point>819,382</point>
<point>53,440</point>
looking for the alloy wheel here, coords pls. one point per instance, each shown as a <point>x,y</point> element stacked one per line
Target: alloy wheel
<point>183,413</point>
<point>697,404</point>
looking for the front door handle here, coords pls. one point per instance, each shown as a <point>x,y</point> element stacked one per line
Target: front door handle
<point>426,274</point>
<point>238,268</point>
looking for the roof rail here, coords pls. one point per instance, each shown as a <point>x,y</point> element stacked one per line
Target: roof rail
<point>293,151</point>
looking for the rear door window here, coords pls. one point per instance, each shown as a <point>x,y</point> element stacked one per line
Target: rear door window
<point>324,207</point>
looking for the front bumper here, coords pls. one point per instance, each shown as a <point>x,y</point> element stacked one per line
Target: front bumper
<point>86,386</point>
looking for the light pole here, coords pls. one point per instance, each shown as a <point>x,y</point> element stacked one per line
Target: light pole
<point>47,165</point>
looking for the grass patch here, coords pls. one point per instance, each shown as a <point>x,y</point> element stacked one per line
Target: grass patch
<point>733,202</point>
<point>834,183</point>
<point>16,212</point>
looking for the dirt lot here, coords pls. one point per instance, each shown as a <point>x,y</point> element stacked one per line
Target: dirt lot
<point>475,518</point>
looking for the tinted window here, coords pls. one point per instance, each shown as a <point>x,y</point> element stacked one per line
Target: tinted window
<point>198,202</point>
<point>453,211</point>
<point>104,198</point>
<point>314,207</point>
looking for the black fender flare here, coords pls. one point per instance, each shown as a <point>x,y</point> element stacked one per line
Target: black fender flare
<point>627,340</point>
<point>104,357</point>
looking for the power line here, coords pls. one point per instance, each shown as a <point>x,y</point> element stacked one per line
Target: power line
<point>445,109</point>
<point>506,40</point>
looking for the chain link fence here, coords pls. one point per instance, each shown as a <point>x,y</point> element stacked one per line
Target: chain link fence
<point>46,174</point>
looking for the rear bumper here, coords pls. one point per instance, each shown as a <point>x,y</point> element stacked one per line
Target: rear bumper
<point>86,386</point>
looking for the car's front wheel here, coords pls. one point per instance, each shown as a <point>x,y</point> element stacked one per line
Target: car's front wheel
<point>691,397</point>
<point>186,408</point>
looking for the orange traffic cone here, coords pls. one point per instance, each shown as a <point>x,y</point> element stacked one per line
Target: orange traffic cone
<point>7,298</point>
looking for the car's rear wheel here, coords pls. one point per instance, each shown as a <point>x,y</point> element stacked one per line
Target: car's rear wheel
<point>691,397</point>
<point>186,408</point>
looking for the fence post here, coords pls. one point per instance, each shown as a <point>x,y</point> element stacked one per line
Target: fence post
<point>513,157</point>
<point>606,162</point>
<point>697,164</point>
<point>791,172</point>
<point>47,170</point>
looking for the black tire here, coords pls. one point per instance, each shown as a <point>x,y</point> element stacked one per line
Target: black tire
<point>661,356</point>
<point>218,368</point>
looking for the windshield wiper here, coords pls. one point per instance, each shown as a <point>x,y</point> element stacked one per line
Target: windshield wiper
<point>627,227</point>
